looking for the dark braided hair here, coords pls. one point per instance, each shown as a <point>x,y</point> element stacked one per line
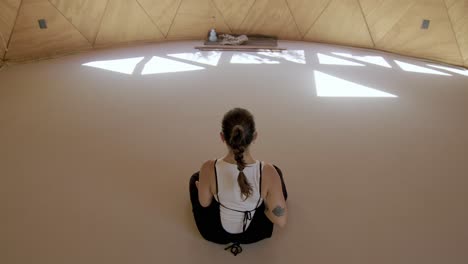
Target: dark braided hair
<point>238,128</point>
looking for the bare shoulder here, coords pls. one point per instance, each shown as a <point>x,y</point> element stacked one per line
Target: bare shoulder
<point>207,170</point>
<point>270,177</point>
<point>207,165</point>
<point>207,174</point>
<point>269,172</point>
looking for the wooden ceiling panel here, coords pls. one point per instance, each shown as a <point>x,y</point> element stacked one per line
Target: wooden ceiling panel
<point>195,18</point>
<point>391,25</point>
<point>306,12</point>
<point>162,12</point>
<point>270,17</point>
<point>234,11</point>
<point>450,3</point>
<point>370,5</point>
<point>437,42</point>
<point>85,15</point>
<point>126,21</point>
<point>8,13</point>
<point>381,17</point>
<point>29,41</point>
<point>341,23</point>
<point>458,12</point>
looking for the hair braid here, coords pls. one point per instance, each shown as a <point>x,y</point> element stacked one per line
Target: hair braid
<point>238,145</point>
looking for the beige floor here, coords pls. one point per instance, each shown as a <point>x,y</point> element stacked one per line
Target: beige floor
<point>94,163</point>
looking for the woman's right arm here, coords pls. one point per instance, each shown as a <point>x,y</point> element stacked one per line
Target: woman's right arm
<point>205,195</point>
<point>275,205</point>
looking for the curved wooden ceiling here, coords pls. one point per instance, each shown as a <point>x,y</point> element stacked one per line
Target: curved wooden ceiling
<point>390,25</point>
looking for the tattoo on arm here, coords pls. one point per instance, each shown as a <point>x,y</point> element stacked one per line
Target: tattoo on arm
<point>278,211</point>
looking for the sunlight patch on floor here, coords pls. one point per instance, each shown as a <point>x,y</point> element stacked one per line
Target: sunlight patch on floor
<point>246,58</point>
<point>126,66</point>
<point>330,86</point>
<point>419,69</point>
<point>163,65</point>
<point>206,57</point>
<point>450,69</point>
<point>376,60</point>
<point>296,56</point>
<point>329,60</point>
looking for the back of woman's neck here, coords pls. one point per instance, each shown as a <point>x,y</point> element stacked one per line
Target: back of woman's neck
<point>229,158</point>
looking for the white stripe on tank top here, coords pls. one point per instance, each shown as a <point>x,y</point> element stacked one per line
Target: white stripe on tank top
<point>229,194</point>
